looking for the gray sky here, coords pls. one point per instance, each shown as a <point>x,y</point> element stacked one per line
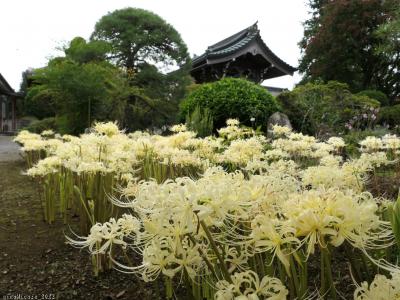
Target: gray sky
<point>32,30</point>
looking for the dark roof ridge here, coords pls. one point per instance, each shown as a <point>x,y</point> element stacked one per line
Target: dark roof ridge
<point>236,45</point>
<point>233,38</point>
<point>6,89</point>
<point>279,62</point>
<point>5,84</point>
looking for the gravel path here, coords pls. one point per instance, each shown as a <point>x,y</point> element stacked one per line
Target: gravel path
<point>9,151</point>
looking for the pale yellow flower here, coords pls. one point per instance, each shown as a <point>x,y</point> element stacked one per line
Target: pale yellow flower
<point>178,128</point>
<point>247,286</point>
<point>109,129</point>
<point>382,288</point>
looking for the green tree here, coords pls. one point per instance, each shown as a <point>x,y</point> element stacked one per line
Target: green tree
<point>80,88</point>
<point>162,93</point>
<point>38,101</point>
<point>389,48</point>
<point>340,43</point>
<point>82,52</point>
<point>154,56</point>
<point>390,34</point>
<point>137,36</point>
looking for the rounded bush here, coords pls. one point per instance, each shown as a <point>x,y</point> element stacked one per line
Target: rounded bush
<point>231,98</point>
<point>376,95</point>
<point>321,109</point>
<point>390,115</point>
<point>41,125</point>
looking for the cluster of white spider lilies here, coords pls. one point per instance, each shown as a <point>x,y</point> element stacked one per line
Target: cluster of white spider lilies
<point>237,216</point>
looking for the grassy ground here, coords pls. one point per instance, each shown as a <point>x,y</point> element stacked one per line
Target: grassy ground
<point>34,259</point>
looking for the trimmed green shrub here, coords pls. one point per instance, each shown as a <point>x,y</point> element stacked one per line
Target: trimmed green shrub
<point>390,115</point>
<point>231,98</point>
<point>376,95</point>
<point>41,125</point>
<point>326,108</point>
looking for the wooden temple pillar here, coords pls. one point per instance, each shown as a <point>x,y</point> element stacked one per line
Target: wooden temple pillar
<point>13,115</point>
<point>1,115</point>
<point>8,106</point>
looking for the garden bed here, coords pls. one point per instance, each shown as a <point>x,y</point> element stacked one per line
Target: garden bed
<point>34,259</point>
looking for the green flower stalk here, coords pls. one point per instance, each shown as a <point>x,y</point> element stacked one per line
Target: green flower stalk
<point>227,233</point>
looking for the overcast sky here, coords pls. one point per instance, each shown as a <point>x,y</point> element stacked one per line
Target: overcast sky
<point>32,30</point>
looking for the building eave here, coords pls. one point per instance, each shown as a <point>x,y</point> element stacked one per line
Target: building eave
<point>6,89</point>
<point>226,50</point>
<point>275,60</point>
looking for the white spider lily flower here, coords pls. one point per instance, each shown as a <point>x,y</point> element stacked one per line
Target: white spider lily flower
<point>232,122</point>
<point>336,142</point>
<point>103,236</point>
<point>45,166</point>
<point>178,128</point>
<point>275,237</point>
<point>381,288</point>
<point>247,286</point>
<point>241,151</point>
<point>371,144</point>
<point>279,131</point>
<point>24,136</point>
<point>391,142</point>
<point>91,241</point>
<point>237,259</point>
<point>332,216</point>
<point>47,133</point>
<point>108,129</point>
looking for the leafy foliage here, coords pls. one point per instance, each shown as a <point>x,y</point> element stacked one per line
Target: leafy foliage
<point>390,34</point>
<point>83,86</point>
<point>149,49</point>
<point>40,102</point>
<point>161,94</point>
<point>341,41</point>
<point>123,73</point>
<point>377,95</point>
<point>318,108</point>
<point>390,115</point>
<point>82,52</point>
<point>201,122</point>
<point>232,98</point>
<point>80,87</point>
<point>389,48</point>
<point>353,138</point>
<point>138,36</point>
<point>40,125</point>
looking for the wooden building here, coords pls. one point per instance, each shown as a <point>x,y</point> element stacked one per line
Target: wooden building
<point>8,107</point>
<point>243,54</point>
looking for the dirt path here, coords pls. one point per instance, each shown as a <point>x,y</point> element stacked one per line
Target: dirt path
<point>34,260</point>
